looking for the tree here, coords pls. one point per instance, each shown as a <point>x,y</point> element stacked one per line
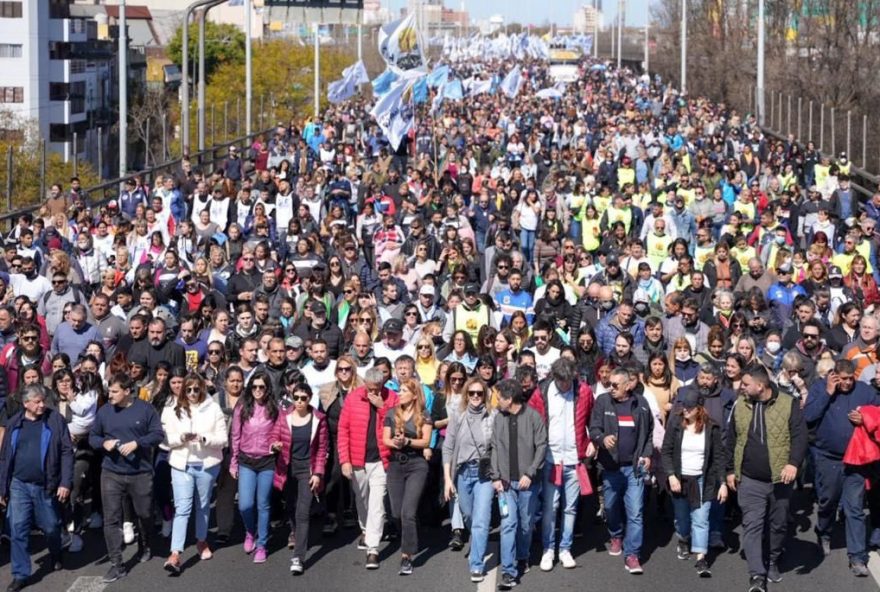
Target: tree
<point>224,44</point>
<point>23,137</point>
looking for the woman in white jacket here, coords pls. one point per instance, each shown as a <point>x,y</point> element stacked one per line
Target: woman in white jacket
<point>195,431</point>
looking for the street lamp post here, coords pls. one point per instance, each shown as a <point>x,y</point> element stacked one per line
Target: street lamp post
<point>759,100</point>
<point>123,92</point>
<point>683,46</point>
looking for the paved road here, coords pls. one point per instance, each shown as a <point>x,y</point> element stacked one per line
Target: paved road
<point>335,564</point>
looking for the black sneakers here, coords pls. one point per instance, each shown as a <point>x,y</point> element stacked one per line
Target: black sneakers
<point>372,561</point>
<point>507,582</point>
<point>406,567</point>
<point>683,550</point>
<point>115,574</point>
<point>757,584</point>
<point>457,541</point>
<point>702,567</point>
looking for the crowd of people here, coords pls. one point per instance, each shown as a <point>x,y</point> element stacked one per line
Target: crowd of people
<point>533,310</point>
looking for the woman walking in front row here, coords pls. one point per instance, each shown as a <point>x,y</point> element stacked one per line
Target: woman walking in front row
<point>693,457</point>
<point>466,469</point>
<point>407,432</point>
<point>195,431</point>
<point>302,443</point>
<point>253,461</point>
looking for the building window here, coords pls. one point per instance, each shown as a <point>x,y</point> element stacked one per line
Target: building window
<point>77,105</point>
<point>10,50</point>
<point>11,94</point>
<point>77,26</point>
<point>58,91</point>
<point>10,9</point>
<point>77,66</point>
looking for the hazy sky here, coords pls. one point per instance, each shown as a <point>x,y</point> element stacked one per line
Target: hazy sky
<point>536,13</point>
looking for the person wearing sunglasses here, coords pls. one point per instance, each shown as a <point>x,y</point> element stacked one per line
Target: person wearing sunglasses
<point>253,461</point>
<point>302,443</point>
<point>466,452</point>
<point>621,428</point>
<point>195,431</point>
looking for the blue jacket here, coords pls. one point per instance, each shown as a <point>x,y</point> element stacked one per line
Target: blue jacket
<point>56,452</point>
<point>608,329</point>
<point>781,300</point>
<point>826,416</point>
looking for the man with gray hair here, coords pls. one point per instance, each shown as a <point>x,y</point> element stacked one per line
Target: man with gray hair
<point>361,454</point>
<point>36,476</point>
<point>621,427</point>
<point>565,404</point>
<point>73,335</point>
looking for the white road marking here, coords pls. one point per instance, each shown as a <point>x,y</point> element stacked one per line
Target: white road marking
<point>87,584</point>
<point>491,579</point>
<point>874,566</point>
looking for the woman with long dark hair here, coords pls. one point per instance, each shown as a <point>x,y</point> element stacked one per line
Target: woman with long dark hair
<point>252,461</point>
<point>693,458</point>
<point>302,442</point>
<point>407,432</point>
<point>195,432</point>
<point>168,394</point>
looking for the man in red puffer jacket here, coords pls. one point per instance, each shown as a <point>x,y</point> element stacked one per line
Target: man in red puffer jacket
<point>363,456</point>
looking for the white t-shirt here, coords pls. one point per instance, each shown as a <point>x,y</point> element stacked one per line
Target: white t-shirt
<point>317,378</point>
<point>693,450</point>
<point>544,361</point>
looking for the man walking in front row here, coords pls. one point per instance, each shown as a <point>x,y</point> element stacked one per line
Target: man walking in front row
<point>36,474</point>
<point>127,429</point>
<point>622,427</point>
<point>767,441</point>
<point>519,444</point>
<point>362,452</point>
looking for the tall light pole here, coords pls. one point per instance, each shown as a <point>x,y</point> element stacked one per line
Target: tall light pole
<point>317,73</point>
<point>647,49</point>
<point>248,68</point>
<point>621,21</point>
<point>684,43</point>
<point>201,15</point>
<point>595,28</point>
<point>123,92</point>
<point>759,106</point>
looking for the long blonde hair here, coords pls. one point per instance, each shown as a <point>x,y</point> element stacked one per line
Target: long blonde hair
<point>418,407</point>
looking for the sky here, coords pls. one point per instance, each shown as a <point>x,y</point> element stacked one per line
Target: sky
<point>536,13</point>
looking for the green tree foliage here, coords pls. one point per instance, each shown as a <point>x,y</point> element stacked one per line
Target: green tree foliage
<point>224,44</point>
<point>26,156</point>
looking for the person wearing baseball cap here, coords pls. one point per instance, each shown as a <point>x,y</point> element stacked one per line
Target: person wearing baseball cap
<point>392,345</point>
<point>782,294</point>
<point>694,475</point>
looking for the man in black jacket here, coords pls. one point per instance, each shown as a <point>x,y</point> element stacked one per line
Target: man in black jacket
<point>36,475</point>
<point>243,283</point>
<point>157,347</point>
<point>621,427</point>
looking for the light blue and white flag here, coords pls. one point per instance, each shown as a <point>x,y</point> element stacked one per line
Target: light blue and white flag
<point>400,45</point>
<point>453,90</point>
<point>420,90</point>
<point>512,82</point>
<point>340,90</point>
<point>382,83</point>
<point>357,73</point>
<point>438,77</point>
<point>479,87</point>
<point>394,113</point>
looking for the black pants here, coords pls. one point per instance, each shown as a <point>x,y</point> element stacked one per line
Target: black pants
<point>763,504</point>
<point>225,508</point>
<point>114,489</point>
<point>86,474</point>
<point>405,482</point>
<point>298,499</point>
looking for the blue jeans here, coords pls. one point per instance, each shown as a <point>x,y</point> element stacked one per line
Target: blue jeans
<point>254,501</point>
<point>516,528</point>
<point>31,504</point>
<point>716,518</point>
<point>624,500</point>
<point>837,485</point>
<point>692,524</point>
<point>574,230</point>
<point>475,500</point>
<point>195,479</point>
<point>527,243</point>
<point>571,491</point>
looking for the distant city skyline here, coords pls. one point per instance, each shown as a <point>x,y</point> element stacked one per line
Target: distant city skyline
<point>529,12</point>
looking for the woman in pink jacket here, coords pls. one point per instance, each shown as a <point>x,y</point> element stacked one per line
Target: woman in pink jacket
<point>253,461</point>
<point>301,441</point>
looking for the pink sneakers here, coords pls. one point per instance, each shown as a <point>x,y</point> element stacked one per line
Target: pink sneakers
<point>249,543</point>
<point>615,548</point>
<point>632,565</point>
<point>260,555</point>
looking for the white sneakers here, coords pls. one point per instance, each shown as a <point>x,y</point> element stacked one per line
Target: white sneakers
<point>565,558</point>
<point>128,532</point>
<point>547,560</point>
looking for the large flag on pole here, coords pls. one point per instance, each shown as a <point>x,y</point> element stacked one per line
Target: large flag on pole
<point>512,82</point>
<point>357,72</point>
<point>400,45</point>
<point>382,82</point>
<point>394,113</point>
<point>438,76</point>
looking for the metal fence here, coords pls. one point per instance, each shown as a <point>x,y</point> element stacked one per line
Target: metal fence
<point>207,160</point>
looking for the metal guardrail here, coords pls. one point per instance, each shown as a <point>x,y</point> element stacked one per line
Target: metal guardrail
<point>99,195</point>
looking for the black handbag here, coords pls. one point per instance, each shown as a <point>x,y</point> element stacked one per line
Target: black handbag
<point>484,466</point>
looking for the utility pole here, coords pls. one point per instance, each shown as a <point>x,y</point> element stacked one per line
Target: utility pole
<point>317,73</point>
<point>621,22</point>
<point>760,83</point>
<point>248,71</point>
<point>123,92</point>
<point>684,43</point>
<point>201,16</point>
<point>595,28</point>
<point>647,49</point>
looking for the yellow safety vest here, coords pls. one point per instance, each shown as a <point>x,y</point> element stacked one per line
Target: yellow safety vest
<point>748,211</point>
<point>688,194</point>
<point>701,255</point>
<point>844,261</point>
<point>743,256</point>
<point>864,249</point>
<point>602,203</point>
<point>617,215</point>
<point>624,176</point>
<point>471,321</point>
<point>658,248</point>
<point>844,168</point>
<point>590,233</point>
<point>821,172</point>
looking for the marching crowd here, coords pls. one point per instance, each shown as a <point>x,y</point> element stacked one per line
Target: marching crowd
<point>530,310</point>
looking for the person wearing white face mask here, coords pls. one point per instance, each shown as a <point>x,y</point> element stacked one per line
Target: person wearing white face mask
<point>771,357</point>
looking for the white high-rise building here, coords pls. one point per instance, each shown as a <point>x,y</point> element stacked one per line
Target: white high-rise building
<point>587,19</point>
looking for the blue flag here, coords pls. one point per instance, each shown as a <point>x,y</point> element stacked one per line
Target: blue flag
<point>438,77</point>
<point>420,90</point>
<point>382,82</point>
<point>453,90</point>
<point>512,82</point>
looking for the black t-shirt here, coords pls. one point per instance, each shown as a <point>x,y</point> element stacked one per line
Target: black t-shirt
<point>372,452</point>
<point>626,432</point>
<point>300,442</point>
<point>513,446</point>
<point>28,464</point>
